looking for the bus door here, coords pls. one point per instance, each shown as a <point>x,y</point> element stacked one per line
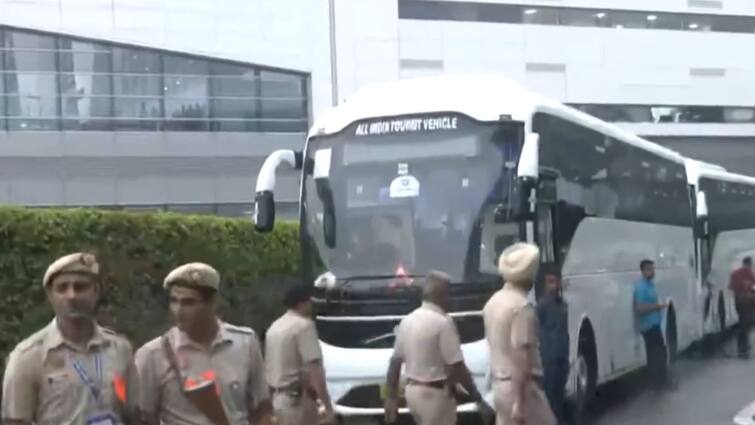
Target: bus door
<point>545,225</point>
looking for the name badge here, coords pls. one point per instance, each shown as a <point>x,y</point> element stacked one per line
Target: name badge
<point>102,419</point>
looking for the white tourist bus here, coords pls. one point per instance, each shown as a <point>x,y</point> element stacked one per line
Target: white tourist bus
<point>724,234</point>
<point>444,173</point>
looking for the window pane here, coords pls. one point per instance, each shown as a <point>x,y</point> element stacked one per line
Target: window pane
<point>137,114</point>
<point>186,114</point>
<point>234,108</point>
<point>234,125</point>
<point>710,114</point>
<point>133,85</point>
<point>30,61</point>
<point>699,23</point>
<point>665,21</point>
<point>184,66</point>
<point>235,94</point>
<point>186,98</point>
<point>739,114</point>
<point>579,17</point>
<point>283,99</point>
<point>85,85</point>
<point>21,124</point>
<point>541,16</point>
<point>34,99</point>
<point>82,57</point>
<point>628,19</point>
<point>26,40</point>
<point>135,61</point>
<point>743,24</point>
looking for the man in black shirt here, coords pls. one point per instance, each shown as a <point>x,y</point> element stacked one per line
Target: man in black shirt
<point>552,312</point>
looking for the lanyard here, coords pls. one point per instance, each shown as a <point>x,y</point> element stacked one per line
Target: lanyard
<point>94,387</point>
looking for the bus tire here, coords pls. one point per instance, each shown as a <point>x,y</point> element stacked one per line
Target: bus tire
<point>586,375</point>
<point>671,336</point>
<point>721,316</point>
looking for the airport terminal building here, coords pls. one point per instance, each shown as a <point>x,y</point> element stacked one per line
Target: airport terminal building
<point>174,104</point>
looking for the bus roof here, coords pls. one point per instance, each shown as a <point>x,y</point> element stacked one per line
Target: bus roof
<point>484,97</point>
<point>728,177</point>
<point>696,168</point>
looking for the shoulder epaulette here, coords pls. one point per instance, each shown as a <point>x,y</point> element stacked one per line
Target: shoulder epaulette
<point>239,329</point>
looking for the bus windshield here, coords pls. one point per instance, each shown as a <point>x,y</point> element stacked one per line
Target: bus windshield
<point>393,198</point>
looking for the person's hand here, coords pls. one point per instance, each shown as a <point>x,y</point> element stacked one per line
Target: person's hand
<point>391,410</point>
<point>327,417</point>
<point>487,414</point>
<point>517,414</point>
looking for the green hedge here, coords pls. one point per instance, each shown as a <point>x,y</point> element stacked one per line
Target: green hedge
<point>136,251</point>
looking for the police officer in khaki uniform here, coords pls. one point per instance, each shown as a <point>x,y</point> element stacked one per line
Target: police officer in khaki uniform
<point>294,363</point>
<point>511,329</point>
<point>201,350</point>
<point>428,342</point>
<point>73,371</point>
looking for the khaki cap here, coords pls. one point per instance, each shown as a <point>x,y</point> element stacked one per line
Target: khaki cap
<point>518,263</point>
<point>79,262</point>
<point>194,274</point>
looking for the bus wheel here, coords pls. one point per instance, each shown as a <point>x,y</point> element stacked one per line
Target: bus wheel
<point>586,373</point>
<point>671,340</point>
<point>721,315</point>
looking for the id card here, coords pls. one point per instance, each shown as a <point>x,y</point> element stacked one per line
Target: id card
<point>102,419</point>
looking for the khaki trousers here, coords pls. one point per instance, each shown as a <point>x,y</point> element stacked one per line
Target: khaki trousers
<point>294,410</point>
<point>537,411</point>
<point>431,406</point>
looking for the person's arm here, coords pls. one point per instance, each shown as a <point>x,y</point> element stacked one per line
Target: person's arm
<point>308,346</point>
<point>524,334</point>
<point>392,378</point>
<point>149,387</point>
<point>450,349</point>
<point>129,390</point>
<point>19,390</point>
<point>259,404</point>
<point>641,306</point>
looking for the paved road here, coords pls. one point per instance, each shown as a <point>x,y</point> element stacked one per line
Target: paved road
<point>710,392</point>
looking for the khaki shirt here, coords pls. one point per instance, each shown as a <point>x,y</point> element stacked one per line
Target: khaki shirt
<point>41,384</point>
<point>290,344</point>
<point>511,323</point>
<point>428,342</point>
<point>235,360</point>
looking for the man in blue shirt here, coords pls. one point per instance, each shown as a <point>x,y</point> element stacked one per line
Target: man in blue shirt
<point>649,314</point>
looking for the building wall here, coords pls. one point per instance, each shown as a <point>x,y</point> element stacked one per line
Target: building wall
<point>155,167</point>
<point>290,34</point>
<point>704,62</point>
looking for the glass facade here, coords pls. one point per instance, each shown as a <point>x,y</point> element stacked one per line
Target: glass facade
<point>669,114</point>
<point>436,10</point>
<point>54,82</point>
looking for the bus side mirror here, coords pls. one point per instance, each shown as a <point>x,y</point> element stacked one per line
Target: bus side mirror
<point>522,205</point>
<point>264,211</point>
<point>264,202</point>
<point>701,215</point>
<point>325,193</point>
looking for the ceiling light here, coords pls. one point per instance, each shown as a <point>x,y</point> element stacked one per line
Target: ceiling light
<point>693,26</point>
<point>652,18</point>
<point>600,15</point>
<point>530,11</point>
